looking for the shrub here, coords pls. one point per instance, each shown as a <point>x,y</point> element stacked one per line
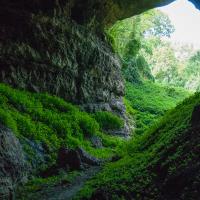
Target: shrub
<point>150,101</point>
<point>87,124</point>
<point>108,121</point>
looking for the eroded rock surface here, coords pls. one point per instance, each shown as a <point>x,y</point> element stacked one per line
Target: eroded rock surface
<point>13,167</point>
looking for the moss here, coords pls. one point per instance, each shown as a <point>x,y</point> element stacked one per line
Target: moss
<point>108,121</point>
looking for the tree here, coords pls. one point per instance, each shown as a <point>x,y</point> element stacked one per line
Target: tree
<point>192,72</point>
<point>160,25</point>
<point>135,37</point>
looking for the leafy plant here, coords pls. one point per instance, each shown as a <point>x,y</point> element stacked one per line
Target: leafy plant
<point>108,121</point>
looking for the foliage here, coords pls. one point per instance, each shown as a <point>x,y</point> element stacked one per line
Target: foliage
<point>51,121</point>
<point>108,121</point>
<point>154,162</point>
<point>191,72</point>
<point>129,36</point>
<point>145,55</point>
<point>160,24</point>
<point>151,101</point>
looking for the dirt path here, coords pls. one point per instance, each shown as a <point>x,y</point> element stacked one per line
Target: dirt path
<point>68,192</point>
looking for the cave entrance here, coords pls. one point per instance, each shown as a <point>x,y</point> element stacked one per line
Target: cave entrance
<point>160,54</point>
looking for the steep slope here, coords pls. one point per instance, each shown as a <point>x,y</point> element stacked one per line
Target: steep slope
<point>35,126</point>
<point>163,164</point>
<point>44,123</point>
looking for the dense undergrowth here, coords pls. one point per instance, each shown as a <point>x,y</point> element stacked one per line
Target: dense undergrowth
<point>52,122</point>
<point>163,163</point>
<point>150,101</point>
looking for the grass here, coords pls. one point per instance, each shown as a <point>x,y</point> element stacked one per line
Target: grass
<point>53,122</point>
<point>150,101</point>
<point>108,121</point>
<point>156,165</point>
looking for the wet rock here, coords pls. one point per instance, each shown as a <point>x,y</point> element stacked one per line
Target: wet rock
<point>13,167</point>
<point>96,142</point>
<point>195,120</point>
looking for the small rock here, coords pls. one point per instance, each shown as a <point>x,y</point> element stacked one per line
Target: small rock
<point>51,171</point>
<point>88,159</point>
<point>96,142</point>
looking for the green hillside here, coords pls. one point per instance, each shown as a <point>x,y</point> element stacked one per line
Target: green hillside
<point>52,122</point>
<point>161,164</point>
<point>151,101</point>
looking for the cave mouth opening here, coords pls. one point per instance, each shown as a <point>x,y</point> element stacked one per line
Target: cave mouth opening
<point>160,55</point>
<point>166,42</point>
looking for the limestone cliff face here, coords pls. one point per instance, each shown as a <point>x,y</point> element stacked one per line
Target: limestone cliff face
<point>61,58</point>
<point>50,53</point>
<point>13,167</point>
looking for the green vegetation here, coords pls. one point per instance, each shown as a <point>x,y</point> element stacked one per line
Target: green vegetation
<point>147,59</point>
<point>108,121</point>
<point>145,55</point>
<point>191,73</point>
<point>52,122</point>
<point>165,147</point>
<point>135,37</point>
<point>151,101</point>
<point>154,162</point>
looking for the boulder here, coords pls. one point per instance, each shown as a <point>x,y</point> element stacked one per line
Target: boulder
<point>69,159</point>
<point>75,159</point>
<point>96,142</point>
<point>13,167</point>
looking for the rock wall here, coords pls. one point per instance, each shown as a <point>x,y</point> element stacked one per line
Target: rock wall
<point>62,58</point>
<point>51,53</point>
<point>13,167</point>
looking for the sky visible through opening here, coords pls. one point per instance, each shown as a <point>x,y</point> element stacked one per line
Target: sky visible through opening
<point>186,20</point>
